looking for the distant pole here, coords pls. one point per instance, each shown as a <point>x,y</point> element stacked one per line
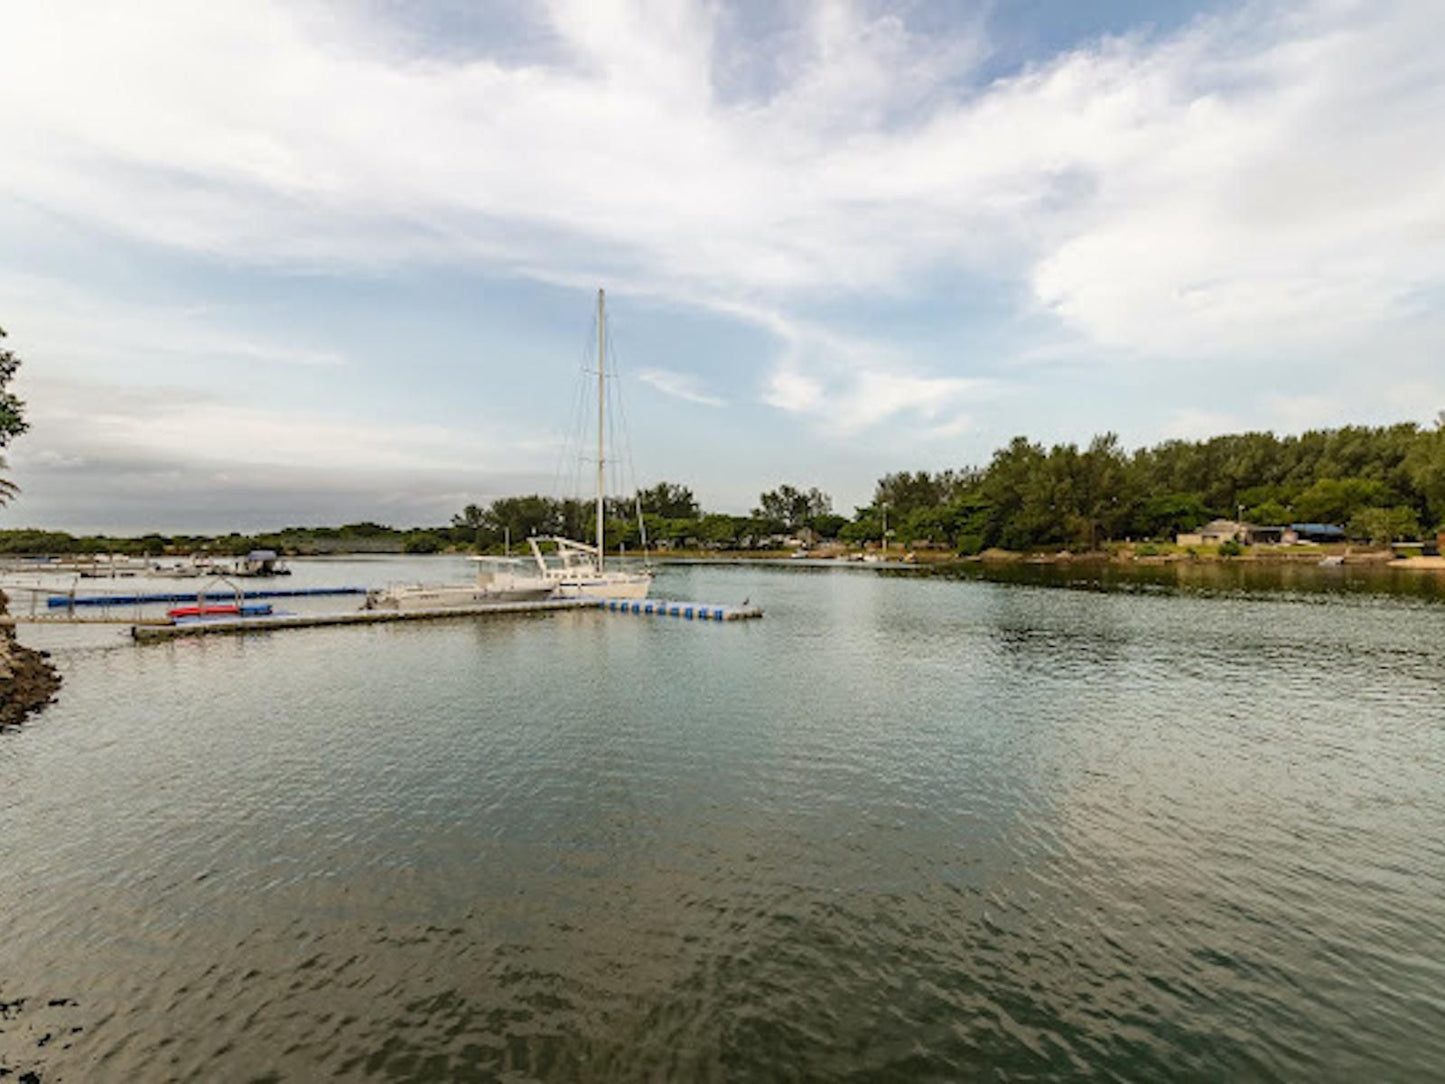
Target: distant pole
<point>507,535</point>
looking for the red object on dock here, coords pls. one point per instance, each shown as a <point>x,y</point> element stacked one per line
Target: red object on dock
<point>202,611</point>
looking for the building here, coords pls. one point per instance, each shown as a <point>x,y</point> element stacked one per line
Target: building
<point>1228,530</point>
<point>1314,532</point>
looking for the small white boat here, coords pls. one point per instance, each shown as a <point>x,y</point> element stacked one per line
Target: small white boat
<point>499,579</point>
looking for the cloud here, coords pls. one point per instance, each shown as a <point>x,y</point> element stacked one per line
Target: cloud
<point>76,324</point>
<point>682,386</point>
<point>1262,186</point>
<point>174,457</point>
<point>1270,195</point>
<point>1268,165</point>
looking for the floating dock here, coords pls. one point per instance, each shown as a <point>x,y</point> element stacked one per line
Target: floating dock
<point>690,611</point>
<point>58,601</point>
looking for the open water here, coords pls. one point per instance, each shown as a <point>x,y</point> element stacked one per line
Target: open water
<point>905,827</point>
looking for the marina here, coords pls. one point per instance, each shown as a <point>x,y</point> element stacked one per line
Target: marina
<point>408,413</point>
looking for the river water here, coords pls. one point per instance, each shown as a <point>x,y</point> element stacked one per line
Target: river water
<point>905,827</point>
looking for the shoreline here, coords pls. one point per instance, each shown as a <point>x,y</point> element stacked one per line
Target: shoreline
<point>1125,556</point>
<point>28,682</point>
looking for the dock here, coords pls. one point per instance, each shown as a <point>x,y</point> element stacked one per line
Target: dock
<point>688,611</point>
<point>60,600</point>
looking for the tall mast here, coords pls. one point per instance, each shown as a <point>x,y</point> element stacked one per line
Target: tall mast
<point>601,399</point>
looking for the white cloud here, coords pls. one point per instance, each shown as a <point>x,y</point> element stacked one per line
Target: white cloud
<point>77,324</point>
<point>176,457</point>
<point>682,386</point>
<point>1262,185</point>
<point>790,390</point>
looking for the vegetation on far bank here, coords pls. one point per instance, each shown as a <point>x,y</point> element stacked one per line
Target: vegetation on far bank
<point>1382,484</point>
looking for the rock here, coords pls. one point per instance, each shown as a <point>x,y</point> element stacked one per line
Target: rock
<point>27,680</point>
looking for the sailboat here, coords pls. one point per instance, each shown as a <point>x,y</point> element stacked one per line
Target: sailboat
<point>576,569</point>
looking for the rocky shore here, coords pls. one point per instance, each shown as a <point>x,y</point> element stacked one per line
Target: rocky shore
<point>27,680</point>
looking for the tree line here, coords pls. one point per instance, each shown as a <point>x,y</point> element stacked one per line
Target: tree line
<point>1381,484</point>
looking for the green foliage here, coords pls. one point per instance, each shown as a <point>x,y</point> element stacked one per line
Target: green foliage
<point>1165,515</point>
<point>1030,496</point>
<point>1335,500</point>
<point>1269,514</point>
<point>669,501</point>
<point>12,412</point>
<point>1230,548</point>
<point>788,509</point>
<point>422,542</point>
<point>12,409</point>
<point>1384,525</point>
<point>905,492</point>
<point>1382,483</point>
<point>1424,467</point>
<point>866,526</point>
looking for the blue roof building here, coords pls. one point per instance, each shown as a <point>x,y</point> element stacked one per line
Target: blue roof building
<point>1318,532</point>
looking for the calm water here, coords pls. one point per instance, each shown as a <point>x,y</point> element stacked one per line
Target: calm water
<point>903,828</point>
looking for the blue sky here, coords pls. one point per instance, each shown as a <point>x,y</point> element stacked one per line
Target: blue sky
<point>306,263</point>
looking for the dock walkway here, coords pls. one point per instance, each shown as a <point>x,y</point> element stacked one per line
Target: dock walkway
<point>691,611</point>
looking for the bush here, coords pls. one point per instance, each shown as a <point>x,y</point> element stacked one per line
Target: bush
<point>1230,548</point>
<point>1147,549</point>
<point>970,544</point>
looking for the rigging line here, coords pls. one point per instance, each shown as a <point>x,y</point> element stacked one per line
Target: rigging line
<point>567,478</point>
<point>628,461</point>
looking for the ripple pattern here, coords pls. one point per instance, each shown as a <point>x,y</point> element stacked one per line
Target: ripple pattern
<point>904,828</point>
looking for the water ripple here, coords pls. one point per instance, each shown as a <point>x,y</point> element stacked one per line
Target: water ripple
<point>910,829</point>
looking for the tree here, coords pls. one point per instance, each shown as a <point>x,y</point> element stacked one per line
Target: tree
<point>1335,500</point>
<point>669,501</point>
<point>1425,466</point>
<point>789,508</point>
<point>1168,514</point>
<point>1384,525</point>
<point>12,413</point>
<point>472,517</point>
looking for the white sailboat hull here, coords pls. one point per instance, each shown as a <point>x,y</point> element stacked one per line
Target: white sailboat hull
<point>445,598</point>
<point>609,585</point>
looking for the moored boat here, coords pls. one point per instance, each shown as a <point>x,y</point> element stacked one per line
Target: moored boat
<point>499,579</point>
<point>578,570</point>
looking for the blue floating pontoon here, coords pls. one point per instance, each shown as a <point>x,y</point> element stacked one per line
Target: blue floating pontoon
<point>59,602</point>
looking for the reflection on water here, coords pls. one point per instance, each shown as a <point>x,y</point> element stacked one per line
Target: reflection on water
<point>907,826</point>
<point>1298,579</point>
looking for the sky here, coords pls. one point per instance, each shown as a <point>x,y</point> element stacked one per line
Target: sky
<point>309,263</point>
